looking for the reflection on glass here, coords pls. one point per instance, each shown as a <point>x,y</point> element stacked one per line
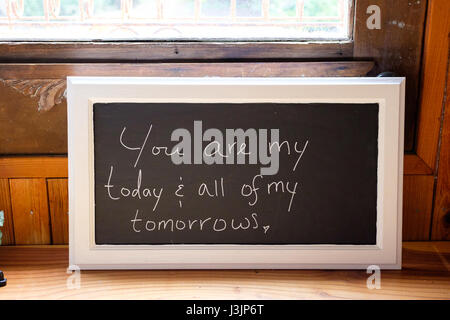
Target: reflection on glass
<point>283,8</point>
<point>321,8</point>
<point>107,8</point>
<point>144,9</point>
<point>216,8</point>
<point>69,8</point>
<point>33,8</point>
<point>248,8</point>
<point>179,8</point>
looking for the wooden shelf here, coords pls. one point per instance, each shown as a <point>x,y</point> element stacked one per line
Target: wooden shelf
<point>39,272</point>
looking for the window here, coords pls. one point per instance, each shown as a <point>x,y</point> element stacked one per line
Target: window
<point>265,20</point>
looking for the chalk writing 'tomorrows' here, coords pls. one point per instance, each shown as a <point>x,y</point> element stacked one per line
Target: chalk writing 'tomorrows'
<point>140,224</point>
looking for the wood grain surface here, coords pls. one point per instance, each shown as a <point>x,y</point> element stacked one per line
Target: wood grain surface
<point>414,165</point>
<point>395,47</point>
<point>30,211</point>
<point>434,76</point>
<point>5,206</point>
<point>58,202</point>
<point>417,207</point>
<point>441,215</point>
<point>40,273</point>
<point>33,167</point>
<point>29,71</point>
<point>169,51</point>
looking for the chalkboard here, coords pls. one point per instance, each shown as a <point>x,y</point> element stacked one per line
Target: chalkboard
<point>321,190</point>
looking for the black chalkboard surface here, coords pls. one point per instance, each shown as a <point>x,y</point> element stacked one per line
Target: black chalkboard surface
<point>324,190</point>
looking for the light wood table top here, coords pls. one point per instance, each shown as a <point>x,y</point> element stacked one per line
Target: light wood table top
<point>40,273</point>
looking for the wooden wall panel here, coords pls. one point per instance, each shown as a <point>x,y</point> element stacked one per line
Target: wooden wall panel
<point>5,206</point>
<point>59,209</point>
<point>26,130</point>
<point>396,47</point>
<point>33,167</point>
<point>417,207</point>
<point>30,211</point>
<point>441,215</point>
<point>414,165</point>
<point>434,76</point>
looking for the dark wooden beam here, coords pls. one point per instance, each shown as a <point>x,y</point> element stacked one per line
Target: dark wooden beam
<point>170,51</point>
<point>224,69</point>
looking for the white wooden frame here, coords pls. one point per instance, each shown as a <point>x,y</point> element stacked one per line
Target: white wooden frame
<point>83,92</point>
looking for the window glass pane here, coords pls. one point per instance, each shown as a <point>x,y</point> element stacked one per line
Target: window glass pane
<point>229,20</point>
<point>3,9</point>
<point>107,8</point>
<point>179,8</point>
<point>143,9</point>
<point>248,8</point>
<point>33,8</point>
<point>216,8</point>
<point>321,8</point>
<point>283,8</point>
<point>69,8</point>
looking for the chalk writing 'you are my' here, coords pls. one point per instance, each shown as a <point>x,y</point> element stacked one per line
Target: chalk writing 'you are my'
<point>249,147</point>
<point>211,148</point>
